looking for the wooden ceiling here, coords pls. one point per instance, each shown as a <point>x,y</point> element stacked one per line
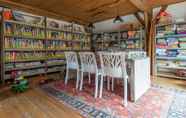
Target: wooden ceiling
<point>85,11</point>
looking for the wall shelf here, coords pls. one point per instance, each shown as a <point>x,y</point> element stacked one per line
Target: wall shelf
<point>172,67</point>
<point>23,37</point>
<point>171,36</point>
<point>171,58</point>
<point>173,48</point>
<point>169,75</point>
<point>28,60</point>
<point>24,50</point>
<point>34,67</point>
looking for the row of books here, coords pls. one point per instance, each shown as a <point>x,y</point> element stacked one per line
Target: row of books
<point>24,31</point>
<point>171,42</point>
<point>23,43</point>
<point>171,30</point>
<point>16,43</point>
<point>22,56</point>
<point>27,31</point>
<point>66,35</point>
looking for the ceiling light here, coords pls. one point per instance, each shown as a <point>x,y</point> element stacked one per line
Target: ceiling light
<point>118,19</point>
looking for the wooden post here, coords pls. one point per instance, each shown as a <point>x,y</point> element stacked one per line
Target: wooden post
<point>148,19</point>
<point>150,26</point>
<point>2,56</point>
<point>149,45</point>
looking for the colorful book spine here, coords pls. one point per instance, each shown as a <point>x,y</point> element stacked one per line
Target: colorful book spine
<point>24,31</point>
<point>23,43</point>
<point>22,56</point>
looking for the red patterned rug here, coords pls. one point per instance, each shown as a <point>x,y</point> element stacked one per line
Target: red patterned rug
<point>158,102</point>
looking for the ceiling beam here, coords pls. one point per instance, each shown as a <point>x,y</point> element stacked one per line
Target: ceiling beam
<point>38,11</point>
<point>103,6</point>
<point>106,17</point>
<point>139,18</point>
<point>139,4</point>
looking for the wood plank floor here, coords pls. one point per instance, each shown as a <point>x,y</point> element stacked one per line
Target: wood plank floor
<point>36,104</point>
<point>170,82</point>
<point>33,104</point>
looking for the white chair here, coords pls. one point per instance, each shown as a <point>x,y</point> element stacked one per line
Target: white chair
<point>113,65</point>
<point>89,65</point>
<point>72,63</point>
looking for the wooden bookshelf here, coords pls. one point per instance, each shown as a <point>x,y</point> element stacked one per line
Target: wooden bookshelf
<point>175,62</point>
<point>119,39</point>
<point>24,39</point>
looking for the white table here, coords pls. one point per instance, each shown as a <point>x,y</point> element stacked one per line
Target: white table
<point>139,77</point>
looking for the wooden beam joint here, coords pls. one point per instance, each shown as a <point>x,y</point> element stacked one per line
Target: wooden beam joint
<point>139,18</point>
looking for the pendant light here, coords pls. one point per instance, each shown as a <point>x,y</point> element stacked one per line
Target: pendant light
<point>91,26</point>
<point>118,18</point>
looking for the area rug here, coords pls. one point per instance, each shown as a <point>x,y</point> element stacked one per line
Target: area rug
<point>157,102</point>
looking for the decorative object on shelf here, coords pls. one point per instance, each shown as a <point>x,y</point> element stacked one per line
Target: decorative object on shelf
<point>20,83</point>
<point>165,17</point>
<point>7,14</point>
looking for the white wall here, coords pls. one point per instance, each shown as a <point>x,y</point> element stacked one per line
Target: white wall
<point>176,10</point>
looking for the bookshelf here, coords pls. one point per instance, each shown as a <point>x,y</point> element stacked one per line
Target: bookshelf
<point>130,40</point>
<point>171,50</point>
<point>34,49</point>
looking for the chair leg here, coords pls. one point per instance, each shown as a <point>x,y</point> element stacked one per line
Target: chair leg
<point>112,84</point>
<point>108,83</point>
<point>96,87</point>
<point>125,92</point>
<point>77,81</point>
<point>101,87</point>
<point>81,81</point>
<point>66,78</point>
<point>89,78</point>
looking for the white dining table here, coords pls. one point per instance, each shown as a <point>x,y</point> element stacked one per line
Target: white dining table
<point>138,69</point>
<point>139,77</point>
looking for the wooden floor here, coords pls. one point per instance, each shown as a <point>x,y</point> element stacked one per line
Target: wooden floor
<point>33,104</point>
<point>36,104</point>
<point>169,82</point>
